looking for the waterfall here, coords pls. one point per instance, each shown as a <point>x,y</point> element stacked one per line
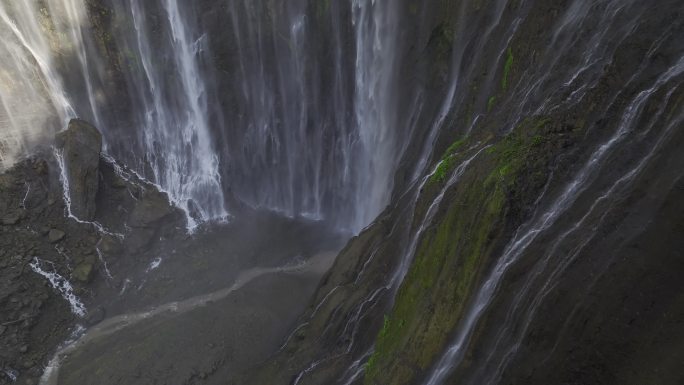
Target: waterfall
<point>33,101</point>
<point>315,128</point>
<point>51,72</point>
<point>376,28</point>
<point>174,116</point>
<point>295,129</point>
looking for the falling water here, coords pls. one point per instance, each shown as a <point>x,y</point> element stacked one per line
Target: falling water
<point>548,217</point>
<point>315,135</point>
<point>175,114</point>
<point>33,102</point>
<point>45,47</point>
<point>306,134</point>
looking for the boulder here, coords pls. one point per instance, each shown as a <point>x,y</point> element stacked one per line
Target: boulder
<point>11,218</point>
<point>82,272</point>
<point>95,316</point>
<point>153,207</point>
<point>110,245</point>
<point>55,235</point>
<point>81,145</point>
<point>148,216</point>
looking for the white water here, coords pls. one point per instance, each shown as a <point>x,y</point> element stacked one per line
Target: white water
<point>557,261</point>
<point>11,374</point>
<point>154,264</point>
<point>61,284</point>
<point>176,132</point>
<point>376,27</point>
<point>298,141</point>
<point>41,43</point>
<point>542,222</point>
<point>33,103</point>
<point>317,264</point>
<point>306,142</point>
<point>66,196</point>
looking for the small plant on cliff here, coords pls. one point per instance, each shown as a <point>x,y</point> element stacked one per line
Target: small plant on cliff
<point>447,162</point>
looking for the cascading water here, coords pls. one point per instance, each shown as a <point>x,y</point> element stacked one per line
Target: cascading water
<point>304,133</point>
<point>575,74</point>
<point>32,97</point>
<point>295,145</point>
<point>318,108</point>
<point>50,60</point>
<point>174,129</point>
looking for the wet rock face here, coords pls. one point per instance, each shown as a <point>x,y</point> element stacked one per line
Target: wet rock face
<point>35,317</point>
<point>81,145</point>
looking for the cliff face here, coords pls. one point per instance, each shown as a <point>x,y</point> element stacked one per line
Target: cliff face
<point>540,247</point>
<point>65,215</point>
<point>532,234</point>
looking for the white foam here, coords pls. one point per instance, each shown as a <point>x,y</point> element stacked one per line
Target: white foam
<point>62,285</point>
<point>126,282</point>
<point>104,262</point>
<point>11,374</point>
<point>28,190</point>
<point>154,264</point>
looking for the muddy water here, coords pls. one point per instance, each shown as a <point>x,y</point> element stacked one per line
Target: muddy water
<point>201,338</point>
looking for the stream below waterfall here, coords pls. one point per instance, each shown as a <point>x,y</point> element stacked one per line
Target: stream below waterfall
<point>96,347</point>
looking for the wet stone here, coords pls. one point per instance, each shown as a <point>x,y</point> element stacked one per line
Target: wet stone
<point>95,316</point>
<point>56,235</point>
<point>10,219</point>
<point>83,272</point>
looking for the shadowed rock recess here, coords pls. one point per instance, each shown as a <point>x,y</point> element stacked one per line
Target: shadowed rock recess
<point>343,192</point>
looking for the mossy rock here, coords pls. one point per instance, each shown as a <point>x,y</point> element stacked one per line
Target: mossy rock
<point>83,272</point>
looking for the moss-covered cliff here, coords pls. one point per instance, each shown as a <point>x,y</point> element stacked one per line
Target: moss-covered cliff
<point>531,166</point>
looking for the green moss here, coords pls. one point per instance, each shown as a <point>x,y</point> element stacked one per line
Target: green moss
<point>441,172</point>
<point>507,69</point>
<point>447,162</point>
<point>434,292</point>
<point>490,103</point>
<point>385,326</point>
<point>512,151</point>
<point>450,259</point>
<point>454,147</point>
<point>370,364</point>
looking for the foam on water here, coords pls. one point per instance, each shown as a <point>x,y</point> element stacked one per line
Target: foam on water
<point>154,264</point>
<point>61,284</point>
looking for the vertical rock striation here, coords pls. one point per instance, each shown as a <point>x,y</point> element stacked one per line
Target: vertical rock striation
<point>80,146</point>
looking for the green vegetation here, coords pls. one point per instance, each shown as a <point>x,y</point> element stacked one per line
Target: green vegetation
<point>490,103</point>
<point>442,168</point>
<point>447,162</point>
<point>451,255</point>
<point>512,151</point>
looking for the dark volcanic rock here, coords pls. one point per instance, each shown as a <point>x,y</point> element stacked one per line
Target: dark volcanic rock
<point>83,272</point>
<point>148,216</point>
<point>11,218</point>
<point>56,235</point>
<point>81,145</point>
<point>36,234</point>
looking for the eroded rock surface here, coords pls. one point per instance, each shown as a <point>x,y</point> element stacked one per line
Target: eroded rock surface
<point>81,145</point>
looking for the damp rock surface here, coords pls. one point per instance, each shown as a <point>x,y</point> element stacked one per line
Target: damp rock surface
<point>80,145</point>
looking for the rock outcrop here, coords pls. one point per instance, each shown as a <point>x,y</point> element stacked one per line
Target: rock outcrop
<point>36,233</point>
<point>81,145</point>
